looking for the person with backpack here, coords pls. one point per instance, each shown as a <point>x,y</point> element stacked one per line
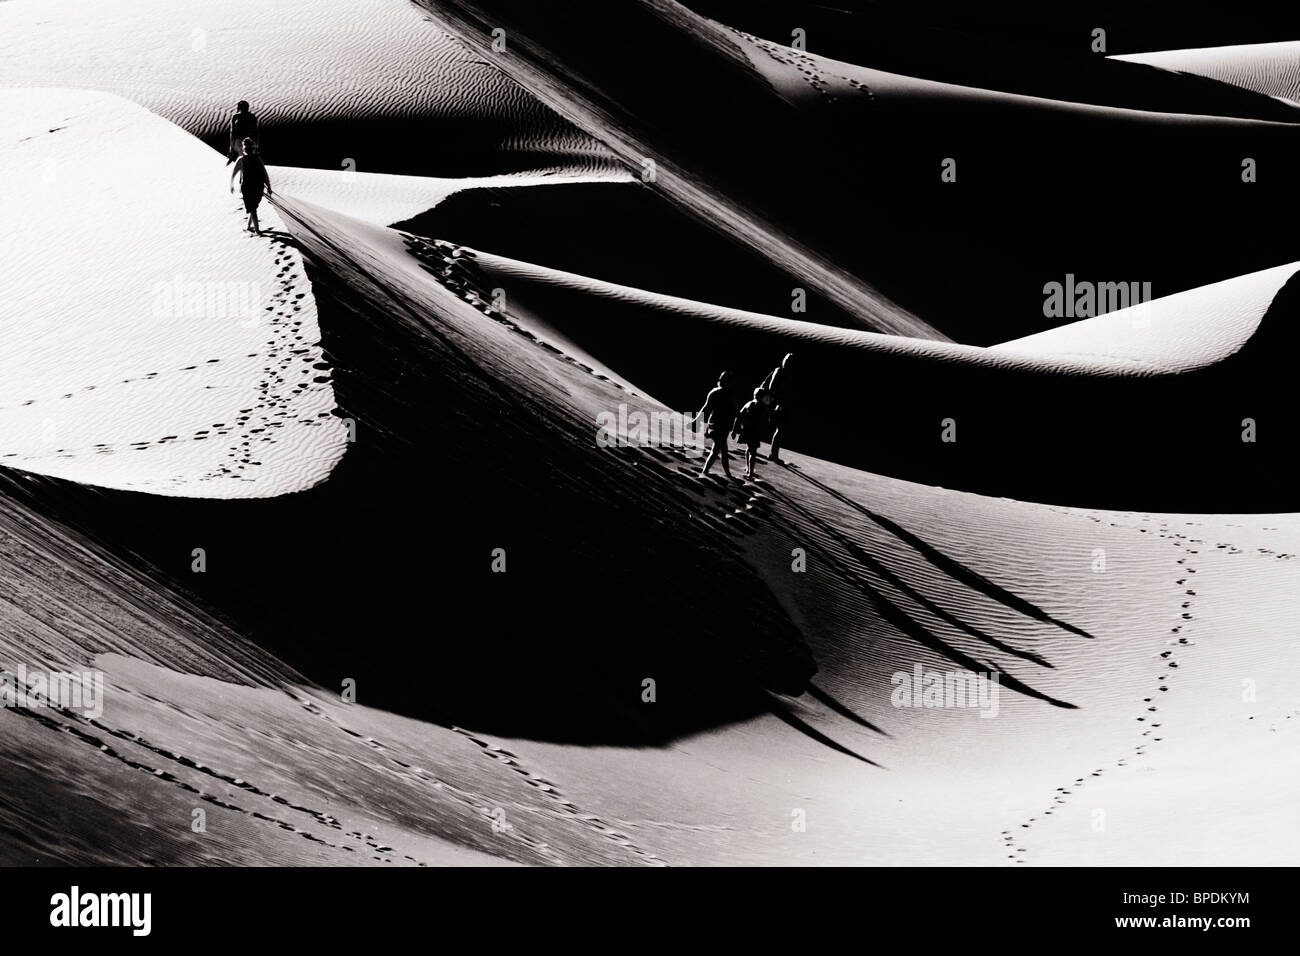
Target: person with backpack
<point>719,412</point>
<point>253,180</point>
<point>243,127</point>
<point>778,385</point>
<point>752,425</point>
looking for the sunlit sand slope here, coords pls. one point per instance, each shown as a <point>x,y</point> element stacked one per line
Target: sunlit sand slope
<point>1270,68</point>
<point>153,344</point>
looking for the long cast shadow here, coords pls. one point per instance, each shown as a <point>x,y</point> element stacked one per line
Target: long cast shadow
<point>900,619</point>
<point>955,569</point>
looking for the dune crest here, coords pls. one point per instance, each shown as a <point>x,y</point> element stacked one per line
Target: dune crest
<point>1269,68</point>
<point>384,199</point>
<point>331,80</point>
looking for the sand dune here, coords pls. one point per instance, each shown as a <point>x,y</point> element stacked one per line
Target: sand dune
<point>333,81</point>
<point>384,199</point>
<point>900,41</point>
<point>186,362</point>
<point>814,199</point>
<point>1177,356</point>
<point>1122,642</point>
<point>566,651</point>
<point>1175,333</point>
<point>1269,68</point>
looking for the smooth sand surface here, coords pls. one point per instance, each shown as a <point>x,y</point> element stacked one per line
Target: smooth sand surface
<point>1270,68</point>
<point>385,199</point>
<point>156,346</point>
<point>332,81</point>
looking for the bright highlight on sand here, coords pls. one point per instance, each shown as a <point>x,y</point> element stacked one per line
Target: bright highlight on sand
<point>187,360</point>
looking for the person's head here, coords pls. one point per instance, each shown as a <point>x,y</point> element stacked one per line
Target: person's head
<point>242,106</point>
<point>724,380</point>
<point>785,362</point>
<point>250,146</point>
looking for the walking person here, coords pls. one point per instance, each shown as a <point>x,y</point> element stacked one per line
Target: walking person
<point>752,424</point>
<point>719,412</point>
<point>243,127</point>
<point>778,385</point>
<point>253,178</point>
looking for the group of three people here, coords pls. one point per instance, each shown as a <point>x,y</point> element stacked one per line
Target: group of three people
<point>752,423</point>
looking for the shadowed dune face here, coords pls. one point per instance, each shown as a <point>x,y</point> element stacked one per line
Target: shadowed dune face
<point>1130,27</point>
<point>152,344</point>
<point>335,83</point>
<point>838,169</point>
<point>644,242</point>
<point>1060,417</point>
<point>466,443</point>
<point>890,39</point>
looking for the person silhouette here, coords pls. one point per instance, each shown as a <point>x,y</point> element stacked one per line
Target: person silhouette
<point>778,383</point>
<point>243,127</point>
<point>752,424</point>
<point>253,178</point>
<point>719,412</point>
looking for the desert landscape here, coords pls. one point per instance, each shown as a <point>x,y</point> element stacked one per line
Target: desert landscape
<point>328,511</point>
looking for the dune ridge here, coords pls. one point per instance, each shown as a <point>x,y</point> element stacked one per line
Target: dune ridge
<point>350,79</point>
<point>1269,68</point>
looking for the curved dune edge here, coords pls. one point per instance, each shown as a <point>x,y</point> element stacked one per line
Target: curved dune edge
<point>348,75</point>
<point>1269,68</point>
<point>804,76</point>
<point>1168,335</point>
<point>874,36</point>
<point>186,362</point>
<point>383,199</point>
<point>1174,333</point>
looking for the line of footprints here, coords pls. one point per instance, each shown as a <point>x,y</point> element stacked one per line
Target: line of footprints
<point>1189,549</point>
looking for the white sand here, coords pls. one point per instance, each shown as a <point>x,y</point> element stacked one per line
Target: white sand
<point>1173,333</point>
<point>385,199</point>
<point>153,344</point>
<point>1270,68</point>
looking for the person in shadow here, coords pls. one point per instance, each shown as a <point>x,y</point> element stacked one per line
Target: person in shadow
<point>753,423</point>
<point>253,179</point>
<point>719,413</point>
<point>243,127</point>
<point>778,384</point>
